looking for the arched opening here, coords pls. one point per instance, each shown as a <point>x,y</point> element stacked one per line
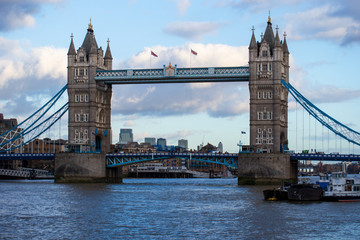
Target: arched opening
<point>98,144</point>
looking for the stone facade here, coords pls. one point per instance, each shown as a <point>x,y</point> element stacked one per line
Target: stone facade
<point>263,169</point>
<point>268,64</point>
<point>89,100</point>
<point>80,167</point>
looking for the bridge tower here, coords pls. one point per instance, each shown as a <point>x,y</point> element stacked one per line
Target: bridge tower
<point>89,128</point>
<point>268,64</point>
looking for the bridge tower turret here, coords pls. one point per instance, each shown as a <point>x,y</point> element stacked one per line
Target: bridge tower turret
<point>89,127</point>
<point>268,64</point>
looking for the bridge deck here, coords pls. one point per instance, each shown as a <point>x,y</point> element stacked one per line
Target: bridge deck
<point>174,75</point>
<point>219,158</point>
<point>122,159</point>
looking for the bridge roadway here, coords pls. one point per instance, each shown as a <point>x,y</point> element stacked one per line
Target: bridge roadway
<point>228,159</point>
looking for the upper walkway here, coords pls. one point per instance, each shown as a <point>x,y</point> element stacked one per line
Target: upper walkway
<point>172,74</point>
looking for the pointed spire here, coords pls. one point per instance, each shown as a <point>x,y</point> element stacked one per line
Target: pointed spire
<point>90,44</point>
<point>269,34</point>
<point>253,44</point>
<point>72,47</point>
<point>277,39</point>
<point>108,52</point>
<point>285,47</point>
<point>90,27</point>
<point>269,19</point>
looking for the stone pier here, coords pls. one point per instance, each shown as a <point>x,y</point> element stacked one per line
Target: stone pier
<point>84,168</point>
<point>266,169</point>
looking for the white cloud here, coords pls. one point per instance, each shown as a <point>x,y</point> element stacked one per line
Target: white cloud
<point>318,23</point>
<point>182,6</point>
<point>217,99</point>
<point>193,30</point>
<point>35,72</point>
<point>209,55</point>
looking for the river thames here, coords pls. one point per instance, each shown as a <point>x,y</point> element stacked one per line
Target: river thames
<point>165,209</point>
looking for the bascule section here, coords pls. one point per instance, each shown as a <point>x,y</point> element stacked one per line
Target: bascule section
<point>89,127</point>
<point>269,65</point>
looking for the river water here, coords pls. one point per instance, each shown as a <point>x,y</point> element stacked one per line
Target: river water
<point>165,209</point>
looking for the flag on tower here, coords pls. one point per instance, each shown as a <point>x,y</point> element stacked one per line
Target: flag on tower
<point>193,52</point>
<point>152,53</point>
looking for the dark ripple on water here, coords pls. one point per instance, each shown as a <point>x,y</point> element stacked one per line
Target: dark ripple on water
<point>165,209</point>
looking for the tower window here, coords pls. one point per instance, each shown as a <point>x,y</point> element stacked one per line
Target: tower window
<point>264,67</point>
<point>270,95</point>
<point>259,95</point>
<point>265,53</point>
<point>82,59</point>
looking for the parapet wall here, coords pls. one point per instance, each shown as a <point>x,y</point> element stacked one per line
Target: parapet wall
<point>266,168</point>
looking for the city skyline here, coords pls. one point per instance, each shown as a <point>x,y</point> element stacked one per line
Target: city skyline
<point>323,40</point>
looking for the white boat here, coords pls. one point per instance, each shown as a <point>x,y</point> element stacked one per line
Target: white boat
<point>342,187</point>
<point>196,174</point>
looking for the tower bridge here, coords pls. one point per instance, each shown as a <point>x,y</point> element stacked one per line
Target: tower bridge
<point>89,86</point>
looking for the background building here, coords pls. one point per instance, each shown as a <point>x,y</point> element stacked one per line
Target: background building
<point>150,140</point>
<point>161,142</point>
<point>126,136</point>
<point>183,143</point>
<point>6,125</point>
<point>220,147</point>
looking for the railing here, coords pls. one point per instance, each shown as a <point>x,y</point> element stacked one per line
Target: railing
<point>122,159</point>
<point>324,157</point>
<point>172,74</point>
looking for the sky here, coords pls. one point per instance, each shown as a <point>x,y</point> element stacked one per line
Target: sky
<point>323,39</point>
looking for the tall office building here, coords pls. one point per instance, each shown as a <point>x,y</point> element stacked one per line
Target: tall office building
<point>220,147</point>
<point>126,136</point>
<point>161,142</point>
<point>183,143</point>
<point>150,140</point>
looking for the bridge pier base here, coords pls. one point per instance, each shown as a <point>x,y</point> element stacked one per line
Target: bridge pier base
<point>114,175</point>
<point>80,168</point>
<point>266,169</point>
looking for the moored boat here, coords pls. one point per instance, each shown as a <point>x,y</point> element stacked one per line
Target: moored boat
<point>275,194</point>
<point>342,188</point>
<point>305,192</point>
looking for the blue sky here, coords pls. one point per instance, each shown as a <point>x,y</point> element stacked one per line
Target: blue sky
<point>323,39</point>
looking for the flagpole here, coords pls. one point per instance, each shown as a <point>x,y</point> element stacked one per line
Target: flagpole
<point>150,59</point>
<point>190,61</point>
